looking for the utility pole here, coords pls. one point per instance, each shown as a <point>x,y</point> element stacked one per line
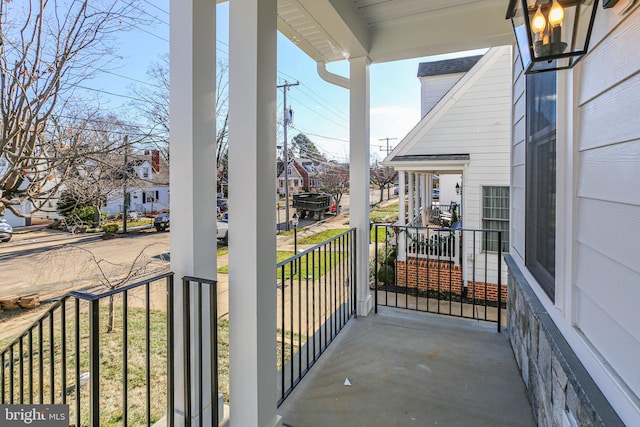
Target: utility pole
<point>287,118</point>
<point>125,174</point>
<point>388,151</point>
<point>388,148</point>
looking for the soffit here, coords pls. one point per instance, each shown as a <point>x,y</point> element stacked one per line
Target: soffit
<point>387,30</point>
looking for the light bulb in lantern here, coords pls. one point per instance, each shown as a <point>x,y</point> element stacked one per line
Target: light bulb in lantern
<point>538,23</point>
<point>556,14</point>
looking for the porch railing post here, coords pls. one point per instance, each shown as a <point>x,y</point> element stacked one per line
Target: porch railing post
<point>375,272</point>
<point>94,363</point>
<point>499,280</point>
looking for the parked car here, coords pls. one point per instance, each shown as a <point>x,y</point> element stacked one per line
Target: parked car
<point>161,222</point>
<point>222,231</point>
<point>6,231</point>
<point>223,204</point>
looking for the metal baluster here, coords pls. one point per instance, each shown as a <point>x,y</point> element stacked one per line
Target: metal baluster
<point>94,369</point>
<point>125,358</point>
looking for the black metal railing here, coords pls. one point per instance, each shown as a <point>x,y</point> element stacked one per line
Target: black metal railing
<point>203,334</point>
<point>109,356</point>
<point>316,298</point>
<point>439,270</point>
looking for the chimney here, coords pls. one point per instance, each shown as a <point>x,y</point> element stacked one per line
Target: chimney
<point>155,160</point>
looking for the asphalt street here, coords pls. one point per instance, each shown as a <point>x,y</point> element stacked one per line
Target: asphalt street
<point>52,262</point>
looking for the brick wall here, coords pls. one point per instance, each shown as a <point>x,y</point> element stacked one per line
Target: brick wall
<point>443,276</point>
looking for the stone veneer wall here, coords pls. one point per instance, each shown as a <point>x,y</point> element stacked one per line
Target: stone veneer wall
<point>556,380</point>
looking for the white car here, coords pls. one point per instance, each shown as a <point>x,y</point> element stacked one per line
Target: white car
<point>6,231</point>
<point>222,231</point>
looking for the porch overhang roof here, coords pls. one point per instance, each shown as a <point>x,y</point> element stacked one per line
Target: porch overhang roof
<point>437,163</point>
<point>335,30</point>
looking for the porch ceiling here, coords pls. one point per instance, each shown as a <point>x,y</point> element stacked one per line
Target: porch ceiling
<point>388,30</point>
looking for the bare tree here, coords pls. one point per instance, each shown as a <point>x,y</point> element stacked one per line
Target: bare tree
<point>382,176</point>
<point>334,179</point>
<point>154,104</point>
<point>47,47</point>
<point>90,270</point>
<point>101,170</point>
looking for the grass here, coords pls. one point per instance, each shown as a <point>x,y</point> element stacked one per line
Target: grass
<point>382,234</point>
<point>384,214</point>
<point>315,271</point>
<point>110,364</point>
<point>322,236</point>
<point>306,268</point>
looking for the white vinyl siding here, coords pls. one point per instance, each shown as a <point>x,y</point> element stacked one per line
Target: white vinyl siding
<point>600,279</point>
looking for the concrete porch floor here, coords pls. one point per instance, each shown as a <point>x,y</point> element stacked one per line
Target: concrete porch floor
<point>412,369</point>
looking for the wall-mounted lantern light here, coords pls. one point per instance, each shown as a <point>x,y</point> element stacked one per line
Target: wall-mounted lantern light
<point>458,188</point>
<point>551,34</point>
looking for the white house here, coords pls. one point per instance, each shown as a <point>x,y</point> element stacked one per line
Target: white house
<point>574,270</point>
<point>464,138</point>
<point>147,187</point>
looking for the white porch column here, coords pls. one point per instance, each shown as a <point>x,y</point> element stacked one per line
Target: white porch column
<point>252,217</point>
<point>401,197</point>
<point>401,254</point>
<point>192,175</point>
<point>359,174</point>
<point>429,185</point>
<point>419,194</point>
<point>410,213</point>
<point>425,199</point>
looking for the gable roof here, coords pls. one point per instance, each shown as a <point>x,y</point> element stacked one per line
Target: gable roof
<point>405,154</point>
<point>447,66</point>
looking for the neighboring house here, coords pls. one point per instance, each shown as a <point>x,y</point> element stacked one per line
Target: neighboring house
<point>302,175</point>
<point>464,138</point>
<point>574,269</point>
<point>147,186</point>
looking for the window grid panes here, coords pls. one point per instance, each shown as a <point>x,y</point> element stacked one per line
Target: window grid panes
<point>495,216</point>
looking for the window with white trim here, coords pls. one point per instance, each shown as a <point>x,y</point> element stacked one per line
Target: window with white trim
<point>495,216</point>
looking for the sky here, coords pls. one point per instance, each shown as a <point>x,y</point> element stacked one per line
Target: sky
<point>321,110</point>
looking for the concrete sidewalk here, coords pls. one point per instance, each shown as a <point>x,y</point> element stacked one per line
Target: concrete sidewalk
<point>409,369</point>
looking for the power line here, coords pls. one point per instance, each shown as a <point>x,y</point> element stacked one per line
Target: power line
<point>386,139</point>
<point>155,6</point>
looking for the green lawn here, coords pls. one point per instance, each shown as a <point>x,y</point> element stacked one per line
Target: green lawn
<point>309,266</point>
<point>322,236</point>
<point>384,214</point>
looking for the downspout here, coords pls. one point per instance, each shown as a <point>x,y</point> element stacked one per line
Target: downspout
<point>330,77</point>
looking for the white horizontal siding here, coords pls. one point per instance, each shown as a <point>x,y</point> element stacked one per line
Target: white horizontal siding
<point>607,215</point>
<point>612,229</point>
<point>614,58</point>
<point>611,173</point>
<point>595,281</point>
<point>434,88</point>
<point>611,117</point>
<point>614,343</point>
<point>517,215</point>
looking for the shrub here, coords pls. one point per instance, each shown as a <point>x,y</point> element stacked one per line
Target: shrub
<point>391,257</point>
<point>111,228</point>
<point>386,274</point>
